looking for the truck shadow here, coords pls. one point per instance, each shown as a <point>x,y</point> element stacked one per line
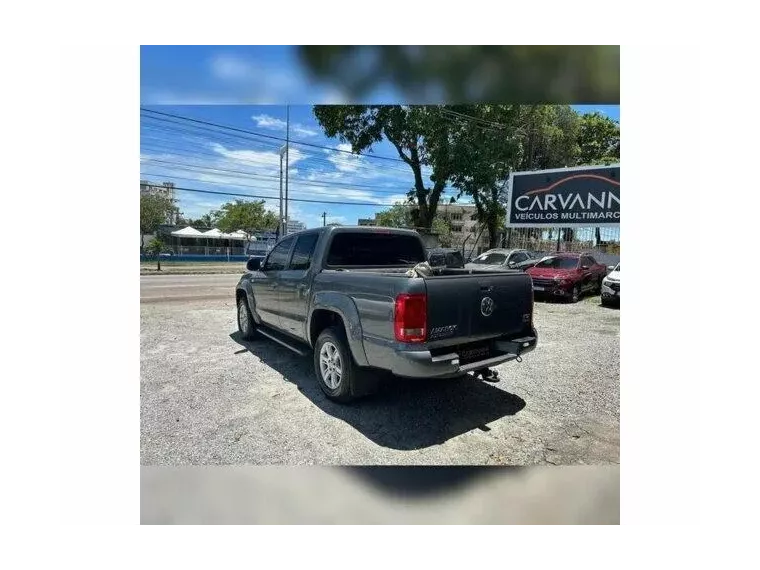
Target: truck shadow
<point>404,414</point>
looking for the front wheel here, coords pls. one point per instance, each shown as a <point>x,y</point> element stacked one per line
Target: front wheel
<point>246,325</point>
<point>334,365</point>
<point>576,295</point>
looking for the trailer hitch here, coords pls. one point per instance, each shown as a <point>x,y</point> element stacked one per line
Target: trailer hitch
<point>487,375</point>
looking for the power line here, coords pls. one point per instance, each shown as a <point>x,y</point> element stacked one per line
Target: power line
<point>235,185</point>
<point>301,181</point>
<point>379,157</point>
<point>308,163</point>
<point>276,197</point>
<point>312,157</point>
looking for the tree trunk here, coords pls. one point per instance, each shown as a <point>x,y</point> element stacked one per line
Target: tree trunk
<point>598,236</point>
<point>142,242</point>
<point>427,200</point>
<point>493,226</point>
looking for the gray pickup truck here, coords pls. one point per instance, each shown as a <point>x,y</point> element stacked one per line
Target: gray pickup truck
<point>344,294</point>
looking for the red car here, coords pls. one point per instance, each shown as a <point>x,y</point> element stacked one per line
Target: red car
<point>567,275</point>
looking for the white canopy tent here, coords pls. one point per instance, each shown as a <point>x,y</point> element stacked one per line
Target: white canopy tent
<point>187,232</point>
<point>210,242</point>
<point>218,234</point>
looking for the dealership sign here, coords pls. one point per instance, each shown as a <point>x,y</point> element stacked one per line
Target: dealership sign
<point>583,196</point>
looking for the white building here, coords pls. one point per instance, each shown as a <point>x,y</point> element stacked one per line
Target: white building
<point>165,189</point>
<point>465,229</point>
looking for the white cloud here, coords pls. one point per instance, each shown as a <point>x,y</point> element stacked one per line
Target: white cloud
<point>343,161</point>
<point>258,175</point>
<point>267,122</point>
<point>275,124</point>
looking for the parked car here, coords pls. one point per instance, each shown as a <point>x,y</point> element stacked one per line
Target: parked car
<point>567,275</point>
<point>344,294</point>
<point>448,257</point>
<point>503,259</point>
<point>611,286</point>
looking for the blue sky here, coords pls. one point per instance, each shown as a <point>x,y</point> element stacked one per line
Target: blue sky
<point>218,84</point>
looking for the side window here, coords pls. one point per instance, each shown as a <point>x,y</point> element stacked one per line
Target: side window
<point>279,256</point>
<point>518,257</point>
<point>586,260</point>
<point>303,251</point>
<point>591,260</point>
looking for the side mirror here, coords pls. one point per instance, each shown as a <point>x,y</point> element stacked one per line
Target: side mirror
<point>511,264</point>
<point>254,264</point>
<point>584,267</point>
<point>610,268</point>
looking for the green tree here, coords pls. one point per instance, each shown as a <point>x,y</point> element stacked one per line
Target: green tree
<point>243,215</point>
<point>155,210</point>
<point>442,227</point>
<point>206,221</point>
<point>486,149</point>
<point>400,216</point>
<point>598,140</point>
<point>549,136</point>
<point>155,247</point>
<point>420,135</point>
<point>397,216</point>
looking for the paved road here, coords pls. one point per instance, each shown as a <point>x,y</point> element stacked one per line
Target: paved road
<point>165,288</point>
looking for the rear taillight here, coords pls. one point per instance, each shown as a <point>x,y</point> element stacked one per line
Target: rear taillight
<point>410,317</point>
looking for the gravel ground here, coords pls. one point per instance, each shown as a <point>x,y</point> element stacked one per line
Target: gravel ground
<point>208,398</point>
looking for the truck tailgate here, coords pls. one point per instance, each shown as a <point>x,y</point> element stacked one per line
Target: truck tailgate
<point>478,305</point>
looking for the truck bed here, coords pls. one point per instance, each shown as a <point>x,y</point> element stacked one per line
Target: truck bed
<point>454,301</point>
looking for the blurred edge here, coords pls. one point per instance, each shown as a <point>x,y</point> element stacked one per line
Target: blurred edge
<point>436,74</point>
<point>379,495</point>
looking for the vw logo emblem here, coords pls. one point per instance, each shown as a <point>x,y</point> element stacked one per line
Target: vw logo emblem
<point>486,306</point>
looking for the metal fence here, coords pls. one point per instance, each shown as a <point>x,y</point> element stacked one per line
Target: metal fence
<point>602,242</point>
<point>206,250</point>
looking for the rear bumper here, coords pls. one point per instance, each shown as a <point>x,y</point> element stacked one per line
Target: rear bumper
<point>422,363</point>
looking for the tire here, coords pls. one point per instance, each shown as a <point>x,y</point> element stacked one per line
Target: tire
<point>334,366</point>
<point>246,324</point>
<point>576,294</point>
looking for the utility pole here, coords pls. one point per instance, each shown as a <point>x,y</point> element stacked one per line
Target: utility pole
<point>280,222</point>
<point>324,219</point>
<point>287,156</point>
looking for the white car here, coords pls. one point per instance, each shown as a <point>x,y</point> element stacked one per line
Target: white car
<point>611,287</point>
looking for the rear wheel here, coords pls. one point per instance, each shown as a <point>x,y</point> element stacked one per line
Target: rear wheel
<point>246,325</point>
<point>334,365</point>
